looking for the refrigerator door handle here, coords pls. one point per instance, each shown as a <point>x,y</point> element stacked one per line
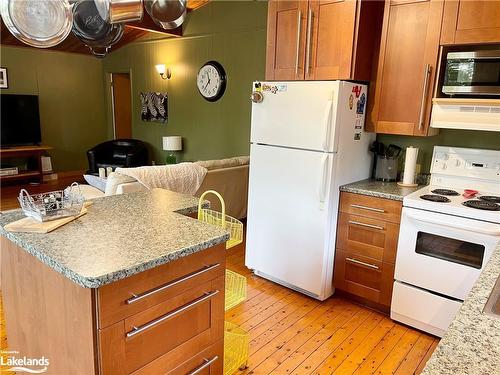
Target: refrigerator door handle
<point>323,182</point>
<point>327,122</point>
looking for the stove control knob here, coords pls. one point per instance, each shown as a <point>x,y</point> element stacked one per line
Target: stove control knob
<point>458,163</point>
<point>442,156</point>
<point>443,166</point>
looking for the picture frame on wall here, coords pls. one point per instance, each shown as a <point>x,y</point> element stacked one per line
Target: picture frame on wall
<point>4,83</point>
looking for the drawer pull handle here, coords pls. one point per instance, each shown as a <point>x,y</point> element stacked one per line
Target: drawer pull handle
<point>366,225</point>
<point>172,313</point>
<point>206,363</point>
<point>352,260</point>
<point>367,208</point>
<point>138,297</point>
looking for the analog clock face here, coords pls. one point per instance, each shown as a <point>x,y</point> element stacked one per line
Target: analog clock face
<point>211,81</point>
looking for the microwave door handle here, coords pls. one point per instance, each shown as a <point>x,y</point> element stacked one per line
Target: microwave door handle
<point>455,226</point>
<point>327,121</point>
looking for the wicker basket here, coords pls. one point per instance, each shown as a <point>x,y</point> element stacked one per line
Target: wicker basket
<point>234,226</point>
<point>236,289</point>
<point>236,343</point>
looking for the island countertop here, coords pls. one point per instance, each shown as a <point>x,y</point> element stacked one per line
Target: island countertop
<point>120,236</point>
<point>472,343</point>
<point>379,189</point>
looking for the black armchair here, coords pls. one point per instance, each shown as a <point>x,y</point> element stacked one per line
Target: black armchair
<point>117,153</point>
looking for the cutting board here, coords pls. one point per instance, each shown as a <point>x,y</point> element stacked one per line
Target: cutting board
<point>30,225</point>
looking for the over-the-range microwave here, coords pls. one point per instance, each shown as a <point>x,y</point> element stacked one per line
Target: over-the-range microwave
<point>472,73</point>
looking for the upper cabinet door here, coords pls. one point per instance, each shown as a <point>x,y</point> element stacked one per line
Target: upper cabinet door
<point>286,40</point>
<point>407,66</point>
<point>330,39</point>
<point>471,22</point>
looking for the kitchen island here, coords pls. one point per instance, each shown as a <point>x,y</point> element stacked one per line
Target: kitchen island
<point>134,286</point>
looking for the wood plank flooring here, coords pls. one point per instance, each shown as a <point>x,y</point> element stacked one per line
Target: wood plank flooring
<point>294,334</point>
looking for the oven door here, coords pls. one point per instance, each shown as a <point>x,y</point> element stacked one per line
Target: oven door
<point>472,73</point>
<point>443,253</point>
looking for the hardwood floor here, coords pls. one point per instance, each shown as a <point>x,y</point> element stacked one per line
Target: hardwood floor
<point>294,334</point>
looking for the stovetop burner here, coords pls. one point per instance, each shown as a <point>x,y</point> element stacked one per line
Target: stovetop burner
<point>435,198</point>
<point>482,205</point>
<point>490,198</point>
<point>445,192</point>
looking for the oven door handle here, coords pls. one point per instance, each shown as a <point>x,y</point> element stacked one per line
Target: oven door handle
<point>456,226</point>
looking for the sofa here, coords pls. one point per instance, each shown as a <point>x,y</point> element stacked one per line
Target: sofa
<point>117,153</point>
<point>229,177</point>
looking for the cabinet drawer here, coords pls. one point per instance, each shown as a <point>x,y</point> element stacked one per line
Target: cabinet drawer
<point>136,293</point>
<point>376,208</point>
<point>364,277</point>
<point>373,238</point>
<point>208,362</point>
<point>166,335</point>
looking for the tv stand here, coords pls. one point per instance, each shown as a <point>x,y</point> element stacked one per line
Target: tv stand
<point>33,154</point>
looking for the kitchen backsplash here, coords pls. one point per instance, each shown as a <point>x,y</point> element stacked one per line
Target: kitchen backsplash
<point>446,137</point>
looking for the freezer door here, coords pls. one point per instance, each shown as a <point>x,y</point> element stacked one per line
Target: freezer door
<point>296,114</point>
<point>288,224</point>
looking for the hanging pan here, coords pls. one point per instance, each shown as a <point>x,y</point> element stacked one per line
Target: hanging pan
<point>169,14</point>
<point>114,11</point>
<point>92,30</point>
<point>38,23</point>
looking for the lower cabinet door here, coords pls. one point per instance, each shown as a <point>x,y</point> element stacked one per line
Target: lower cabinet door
<point>208,362</point>
<point>166,335</point>
<point>364,277</point>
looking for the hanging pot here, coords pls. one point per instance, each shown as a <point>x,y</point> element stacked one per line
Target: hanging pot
<point>169,14</point>
<point>38,23</point>
<point>114,11</point>
<point>92,30</point>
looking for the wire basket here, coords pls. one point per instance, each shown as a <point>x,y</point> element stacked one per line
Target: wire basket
<point>236,343</point>
<point>52,205</point>
<point>236,289</point>
<point>234,226</point>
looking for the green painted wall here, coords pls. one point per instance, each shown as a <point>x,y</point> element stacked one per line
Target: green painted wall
<point>231,32</point>
<point>446,137</point>
<point>71,99</point>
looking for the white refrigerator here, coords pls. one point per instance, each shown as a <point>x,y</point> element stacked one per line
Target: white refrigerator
<point>307,139</point>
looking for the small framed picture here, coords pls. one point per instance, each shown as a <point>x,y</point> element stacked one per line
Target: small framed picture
<point>4,83</point>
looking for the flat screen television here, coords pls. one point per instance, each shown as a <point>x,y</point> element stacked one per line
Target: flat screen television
<point>20,120</point>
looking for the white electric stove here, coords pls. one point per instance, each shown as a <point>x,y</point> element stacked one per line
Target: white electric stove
<point>446,239</point>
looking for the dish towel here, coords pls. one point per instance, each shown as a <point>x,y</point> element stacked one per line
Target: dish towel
<point>185,178</point>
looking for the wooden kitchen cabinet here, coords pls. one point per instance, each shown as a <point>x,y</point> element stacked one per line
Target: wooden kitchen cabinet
<point>367,239</point>
<point>407,64</point>
<point>322,40</point>
<point>471,22</point>
<point>165,320</point>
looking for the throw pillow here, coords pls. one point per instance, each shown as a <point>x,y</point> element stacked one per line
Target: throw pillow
<point>95,181</point>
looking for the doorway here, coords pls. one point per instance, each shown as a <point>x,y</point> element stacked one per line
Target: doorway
<point>121,105</point>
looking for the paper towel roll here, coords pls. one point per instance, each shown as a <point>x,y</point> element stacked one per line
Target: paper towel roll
<point>410,165</point>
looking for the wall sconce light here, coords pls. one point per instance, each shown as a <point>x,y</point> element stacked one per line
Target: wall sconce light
<point>164,72</point>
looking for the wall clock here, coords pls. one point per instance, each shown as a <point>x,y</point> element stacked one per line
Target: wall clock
<point>211,81</point>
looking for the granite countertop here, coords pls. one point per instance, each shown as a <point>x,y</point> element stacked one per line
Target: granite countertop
<point>379,189</point>
<point>120,236</point>
<point>472,343</point>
